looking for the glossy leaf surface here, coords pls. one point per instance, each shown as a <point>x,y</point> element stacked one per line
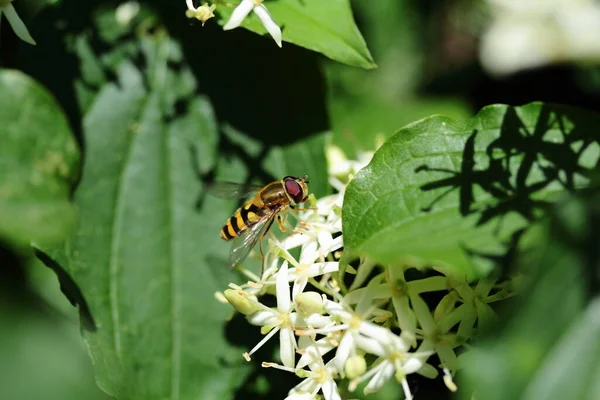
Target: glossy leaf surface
<point>326,27</point>
<point>457,194</point>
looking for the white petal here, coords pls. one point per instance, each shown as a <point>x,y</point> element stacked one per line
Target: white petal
<point>322,268</point>
<point>381,377</point>
<point>400,342</point>
<point>299,285</point>
<point>335,244</point>
<point>309,253</point>
<point>308,385</point>
<point>412,365</point>
<point>320,347</point>
<point>17,25</point>
<point>239,14</point>
<point>371,346</point>
<point>325,240</point>
<point>315,269</point>
<point>268,22</point>
<point>382,335</point>
<point>282,288</point>
<point>295,240</point>
<point>300,396</point>
<point>336,309</point>
<point>287,348</point>
<point>190,5</point>
<point>343,351</point>
<point>318,321</point>
<point>262,318</point>
<point>330,390</point>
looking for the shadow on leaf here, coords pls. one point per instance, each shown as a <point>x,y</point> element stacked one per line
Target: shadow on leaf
<point>515,172</point>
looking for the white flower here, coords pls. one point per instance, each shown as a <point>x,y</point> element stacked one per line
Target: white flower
<point>319,347</point>
<point>341,167</point>
<point>321,377</point>
<point>202,13</point>
<point>242,11</point>
<point>279,320</point>
<point>394,361</point>
<point>355,333</point>
<point>15,22</point>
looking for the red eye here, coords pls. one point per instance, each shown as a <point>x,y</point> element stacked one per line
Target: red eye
<point>294,189</point>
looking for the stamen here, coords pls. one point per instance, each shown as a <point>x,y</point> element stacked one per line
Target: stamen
<point>277,366</point>
<point>406,388</point>
<point>448,381</point>
<point>263,341</point>
<point>321,331</point>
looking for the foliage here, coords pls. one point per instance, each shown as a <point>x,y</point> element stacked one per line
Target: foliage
<point>325,27</point>
<point>39,162</point>
<point>458,193</point>
<point>548,348</point>
<point>115,125</point>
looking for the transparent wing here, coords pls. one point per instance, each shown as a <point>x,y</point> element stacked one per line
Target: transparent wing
<point>242,244</point>
<point>232,190</point>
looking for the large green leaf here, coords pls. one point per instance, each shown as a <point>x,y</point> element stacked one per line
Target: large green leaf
<point>451,193</point>
<point>147,254</point>
<point>38,161</point>
<point>549,347</point>
<point>145,258</point>
<point>326,27</point>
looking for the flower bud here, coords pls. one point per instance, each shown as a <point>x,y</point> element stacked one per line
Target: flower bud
<point>202,13</point>
<point>239,302</point>
<point>355,366</point>
<point>308,303</point>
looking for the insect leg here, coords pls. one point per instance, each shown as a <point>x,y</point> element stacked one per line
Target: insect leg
<point>296,208</point>
<point>280,223</point>
<point>262,255</point>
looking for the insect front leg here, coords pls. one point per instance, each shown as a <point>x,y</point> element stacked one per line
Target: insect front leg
<point>296,208</point>
<point>262,254</point>
<point>280,222</point>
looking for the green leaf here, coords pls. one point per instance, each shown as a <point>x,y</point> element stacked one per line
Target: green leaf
<point>146,259</point>
<point>326,27</point>
<point>38,162</point>
<point>147,254</point>
<point>548,347</point>
<point>457,194</point>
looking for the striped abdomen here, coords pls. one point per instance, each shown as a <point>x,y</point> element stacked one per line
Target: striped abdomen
<point>246,216</point>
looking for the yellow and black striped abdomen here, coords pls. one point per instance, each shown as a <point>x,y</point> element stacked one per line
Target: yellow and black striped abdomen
<point>246,216</point>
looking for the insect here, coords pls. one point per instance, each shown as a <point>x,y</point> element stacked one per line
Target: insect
<point>252,221</point>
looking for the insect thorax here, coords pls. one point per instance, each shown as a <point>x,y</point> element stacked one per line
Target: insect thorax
<point>274,195</point>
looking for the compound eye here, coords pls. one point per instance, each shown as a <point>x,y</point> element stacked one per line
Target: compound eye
<point>294,189</point>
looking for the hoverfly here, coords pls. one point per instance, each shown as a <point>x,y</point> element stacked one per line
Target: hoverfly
<point>253,220</point>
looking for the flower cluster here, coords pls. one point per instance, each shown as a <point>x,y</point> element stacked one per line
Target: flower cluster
<point>379,328</point>
<point>204,12</point>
